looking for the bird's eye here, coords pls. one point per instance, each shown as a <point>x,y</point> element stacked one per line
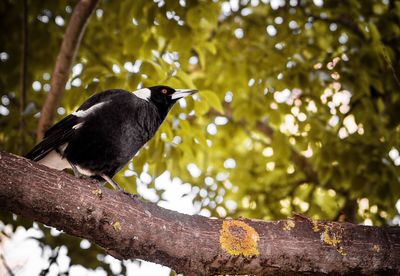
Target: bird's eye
<point>164,91</point>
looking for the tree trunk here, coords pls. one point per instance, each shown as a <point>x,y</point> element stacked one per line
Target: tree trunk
<point>128,228</point>
<point>65,59</point>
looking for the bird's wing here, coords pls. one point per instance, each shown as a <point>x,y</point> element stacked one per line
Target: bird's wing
<point>56,136</point>
<point>63,131</point>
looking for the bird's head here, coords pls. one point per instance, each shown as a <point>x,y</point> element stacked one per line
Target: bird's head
<point>163,96</point>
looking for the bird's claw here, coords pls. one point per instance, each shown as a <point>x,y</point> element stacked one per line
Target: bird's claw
<point>133,196</point>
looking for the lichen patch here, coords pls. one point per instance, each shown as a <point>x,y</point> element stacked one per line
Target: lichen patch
<point>341,251</point>
<point>333,236</point>
<point>329,238</point>
<point>239,238</point>
<point>117,226</point>
<point>376,248</point>
<point>315,226</point>
<point>289,225</point>
<point>98,192</point>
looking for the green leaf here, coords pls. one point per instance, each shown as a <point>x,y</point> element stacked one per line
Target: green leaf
<point>375,34</point>
<point>201,107</point>
<point>201,56</point>
<point>186,80</point>
<point>212,98</point>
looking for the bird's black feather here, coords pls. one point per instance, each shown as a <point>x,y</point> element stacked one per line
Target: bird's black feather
<point>107,130</point>
<point>109,138</point>
<point>54,137</point>
<point>62,132</point>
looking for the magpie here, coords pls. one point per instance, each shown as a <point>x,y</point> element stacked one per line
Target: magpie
<point>106,131</point>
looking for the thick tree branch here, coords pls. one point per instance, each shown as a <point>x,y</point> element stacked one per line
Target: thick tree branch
<point>66,56</point>
<point>129,228</point>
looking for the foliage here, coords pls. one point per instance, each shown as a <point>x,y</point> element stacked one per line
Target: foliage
<point>298,109</point>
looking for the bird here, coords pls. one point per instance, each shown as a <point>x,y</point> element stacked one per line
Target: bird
<point>106,131</point>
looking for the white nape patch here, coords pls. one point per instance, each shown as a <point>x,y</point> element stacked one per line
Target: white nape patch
<point>84,113</point>
<point>54,160</point>
<point>143,93</point>
<point>77,126</point>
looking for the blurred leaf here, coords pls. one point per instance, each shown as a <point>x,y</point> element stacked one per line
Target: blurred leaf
<point>212,99</point>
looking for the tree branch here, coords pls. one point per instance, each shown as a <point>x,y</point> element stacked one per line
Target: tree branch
<point>24,62</point>
<point>65,59</point>
<point>129,228</point>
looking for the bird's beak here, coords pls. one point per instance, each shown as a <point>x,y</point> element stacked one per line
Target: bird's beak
<point>181,93</point>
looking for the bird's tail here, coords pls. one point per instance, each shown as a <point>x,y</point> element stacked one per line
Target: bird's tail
<point>55,137</point>
<point>39,151</point>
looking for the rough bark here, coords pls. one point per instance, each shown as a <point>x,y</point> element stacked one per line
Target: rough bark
<point>128,228</point>
<point>66,56</point>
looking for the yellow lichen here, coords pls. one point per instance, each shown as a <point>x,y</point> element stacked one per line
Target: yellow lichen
<point>238,238</point>
<point>341,251</point>
<point>98,193</point>
<point>329,239</point>
<point>333,237</point>
<point>315,225</point>
<point>117,226</point>
<point>376,248</point>
<point>289,225</point>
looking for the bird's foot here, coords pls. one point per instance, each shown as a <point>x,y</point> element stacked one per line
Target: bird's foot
<point>75,170</point>
<point>133,196</point>
<point>112,183</point>
<point>82,176</point>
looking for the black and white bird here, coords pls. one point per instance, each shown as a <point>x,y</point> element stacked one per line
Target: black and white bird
<point>106,131</point>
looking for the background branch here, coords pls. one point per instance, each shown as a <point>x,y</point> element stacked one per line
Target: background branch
<point>129,228</point>
<point>65,59</point>
<point>23,80</point>
<point>24,61</point>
